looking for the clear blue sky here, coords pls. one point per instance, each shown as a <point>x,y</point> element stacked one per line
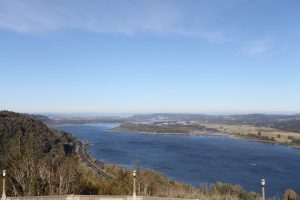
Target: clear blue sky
<point>140,56</point>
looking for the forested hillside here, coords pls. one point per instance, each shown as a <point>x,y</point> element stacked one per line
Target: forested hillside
<point>38,160</point>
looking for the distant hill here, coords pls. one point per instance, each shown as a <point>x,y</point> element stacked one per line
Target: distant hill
<point>42,118</point>
<point>75,120</point>
<point>281,122</point>
<point>170,117</point>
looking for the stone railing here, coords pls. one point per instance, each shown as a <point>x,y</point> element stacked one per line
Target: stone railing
<point>89,197</point>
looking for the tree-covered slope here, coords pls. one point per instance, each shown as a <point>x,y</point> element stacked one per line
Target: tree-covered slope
<point>36,158</point>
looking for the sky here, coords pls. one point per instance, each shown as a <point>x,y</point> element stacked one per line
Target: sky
<point>141,56</point>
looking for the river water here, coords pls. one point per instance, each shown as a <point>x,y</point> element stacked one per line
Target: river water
<point>196,159</point>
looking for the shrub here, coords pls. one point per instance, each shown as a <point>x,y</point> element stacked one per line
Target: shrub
<point>233,190</point>
<point>290,137</point>
<point>290,195</point>
<point>296,141</point>
<point>259,133</point>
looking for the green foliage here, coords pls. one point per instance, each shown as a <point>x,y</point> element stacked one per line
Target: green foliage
<point>259,133</point>
<point>260,137</point>
<point>170,127</point>
<point>38,160</point>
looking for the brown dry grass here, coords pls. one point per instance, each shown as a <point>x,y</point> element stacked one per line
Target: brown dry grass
<point>243,130</point>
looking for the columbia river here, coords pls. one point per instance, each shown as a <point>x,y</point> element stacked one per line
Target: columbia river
<point>196,159</point>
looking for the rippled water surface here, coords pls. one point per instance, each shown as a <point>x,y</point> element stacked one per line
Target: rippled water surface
<point>196,159</point>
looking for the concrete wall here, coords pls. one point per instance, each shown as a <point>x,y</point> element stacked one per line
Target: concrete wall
<point>89,197</point>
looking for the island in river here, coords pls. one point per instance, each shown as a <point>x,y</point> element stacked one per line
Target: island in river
<point>240,131</point>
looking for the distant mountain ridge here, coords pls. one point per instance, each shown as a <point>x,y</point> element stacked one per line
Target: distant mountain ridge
<point>246,118</point>
<point>279,121</point>
<point>282,122</point>
<point>39,117</point>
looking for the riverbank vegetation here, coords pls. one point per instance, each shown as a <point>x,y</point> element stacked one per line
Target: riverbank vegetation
<point>242,131</point>
<point>43,161</point>
<point>151,183</point>
<point>165,127</point>
<point>266,134</point>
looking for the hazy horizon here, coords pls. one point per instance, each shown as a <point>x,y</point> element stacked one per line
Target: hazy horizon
<point>116,114</point>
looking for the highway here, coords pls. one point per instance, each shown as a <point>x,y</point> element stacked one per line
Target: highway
<point>98,167</point>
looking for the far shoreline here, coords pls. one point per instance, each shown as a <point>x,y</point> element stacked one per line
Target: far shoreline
<point>216,134</point>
